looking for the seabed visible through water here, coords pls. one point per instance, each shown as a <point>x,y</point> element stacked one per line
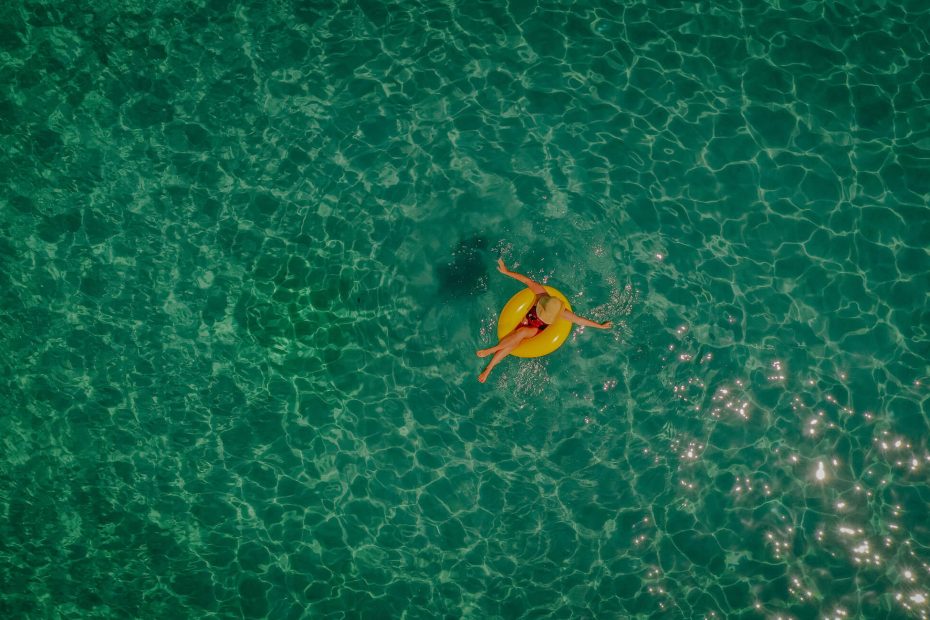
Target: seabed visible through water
<point>247,253</point>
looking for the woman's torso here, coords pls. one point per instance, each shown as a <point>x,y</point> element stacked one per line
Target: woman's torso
<point>531,320</point>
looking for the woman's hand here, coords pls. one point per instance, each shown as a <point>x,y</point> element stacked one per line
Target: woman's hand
<point>607,325</point>
<point>502,267</point>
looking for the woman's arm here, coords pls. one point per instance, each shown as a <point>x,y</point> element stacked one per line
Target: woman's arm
<point>534,286</point>
<point>580,320</point>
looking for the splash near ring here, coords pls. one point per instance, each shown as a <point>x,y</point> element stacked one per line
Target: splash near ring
<point>540,344</point>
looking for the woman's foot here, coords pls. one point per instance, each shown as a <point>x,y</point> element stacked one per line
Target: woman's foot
<point>483,377</point>
<point>485,352</point>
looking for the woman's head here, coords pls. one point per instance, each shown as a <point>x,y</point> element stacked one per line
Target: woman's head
<point>548,309</point>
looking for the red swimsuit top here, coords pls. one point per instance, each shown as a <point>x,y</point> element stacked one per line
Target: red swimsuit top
<point>531,320</point>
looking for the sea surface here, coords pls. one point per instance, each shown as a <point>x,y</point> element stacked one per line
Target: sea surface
<point>248,251</point>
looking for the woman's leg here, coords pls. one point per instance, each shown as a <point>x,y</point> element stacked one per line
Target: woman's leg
<point>507,344</point>
<point>514,336</point>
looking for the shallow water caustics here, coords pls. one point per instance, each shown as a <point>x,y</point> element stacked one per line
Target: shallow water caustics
<point>248,251</point>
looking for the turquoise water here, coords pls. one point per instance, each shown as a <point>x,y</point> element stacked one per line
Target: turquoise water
<point>248,255</point>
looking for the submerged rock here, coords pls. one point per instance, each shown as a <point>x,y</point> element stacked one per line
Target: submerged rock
<point>466,272</point>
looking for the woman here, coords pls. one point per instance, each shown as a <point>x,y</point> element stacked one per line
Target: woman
<point>544,312</point>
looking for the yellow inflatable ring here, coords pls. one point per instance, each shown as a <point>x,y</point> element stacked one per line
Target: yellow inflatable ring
<point>543,343</point>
